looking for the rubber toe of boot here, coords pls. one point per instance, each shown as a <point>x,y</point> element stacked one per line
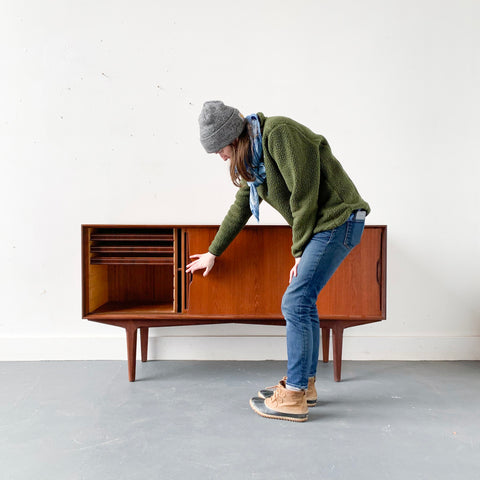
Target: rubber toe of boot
<point>258,406</point>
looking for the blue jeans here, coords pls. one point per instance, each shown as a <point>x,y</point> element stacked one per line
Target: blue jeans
<point>321,257</point>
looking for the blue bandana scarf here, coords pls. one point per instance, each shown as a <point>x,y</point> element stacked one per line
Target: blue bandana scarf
<point>258,167</point>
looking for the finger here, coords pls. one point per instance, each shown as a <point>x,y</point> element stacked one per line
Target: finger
<point>195,256</point>
<point>195,262</point>
<point>293,273</point>
<point>192,267</point>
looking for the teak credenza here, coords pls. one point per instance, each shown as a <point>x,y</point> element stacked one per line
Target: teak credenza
<point>133,276</point>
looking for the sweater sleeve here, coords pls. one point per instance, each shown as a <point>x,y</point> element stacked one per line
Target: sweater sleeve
<point>298,160</point>
<point>236,218</point>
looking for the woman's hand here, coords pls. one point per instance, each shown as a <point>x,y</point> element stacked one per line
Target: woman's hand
<point>204,261</point>
<point>293,271</point>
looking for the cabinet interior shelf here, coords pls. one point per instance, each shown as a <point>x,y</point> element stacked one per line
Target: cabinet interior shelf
<point>133,308</point>
<point>136,237</point>
<point>132,249</point>
<point>132,261</point>
<point>132,246</point>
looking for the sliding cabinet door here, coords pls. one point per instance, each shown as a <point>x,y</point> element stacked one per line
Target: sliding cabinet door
<point>251,276</point>
<point>248,278</point>
<point>357,289</point>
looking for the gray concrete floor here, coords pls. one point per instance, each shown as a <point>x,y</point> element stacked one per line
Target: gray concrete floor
<point>184,419</point>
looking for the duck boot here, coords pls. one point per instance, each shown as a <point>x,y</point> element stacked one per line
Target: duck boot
<point>310,394</point>
<point>283,404</point>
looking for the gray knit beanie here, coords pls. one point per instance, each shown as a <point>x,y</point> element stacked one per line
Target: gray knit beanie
<point>220,125</point>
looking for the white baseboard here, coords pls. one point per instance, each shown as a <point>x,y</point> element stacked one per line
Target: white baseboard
<point>234,348</point>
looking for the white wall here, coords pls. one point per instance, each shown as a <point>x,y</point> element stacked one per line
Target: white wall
<point>98,124</point>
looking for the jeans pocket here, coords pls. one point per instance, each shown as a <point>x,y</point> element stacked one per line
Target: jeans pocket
<point>353,233</point>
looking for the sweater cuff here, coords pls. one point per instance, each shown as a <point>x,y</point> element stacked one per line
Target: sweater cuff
<point>214,252</point>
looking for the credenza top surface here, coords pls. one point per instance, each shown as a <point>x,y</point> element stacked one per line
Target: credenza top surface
<point>155,225</point>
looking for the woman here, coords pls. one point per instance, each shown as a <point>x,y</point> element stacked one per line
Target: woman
<point>284,163</point>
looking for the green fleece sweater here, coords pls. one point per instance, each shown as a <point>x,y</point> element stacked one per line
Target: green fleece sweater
<point>305,183</point>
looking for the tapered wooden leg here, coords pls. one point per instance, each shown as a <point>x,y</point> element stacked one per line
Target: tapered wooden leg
<point>131,351</point>
<point>337,332</point>
<point>144,342</point>
<point>325,343</point>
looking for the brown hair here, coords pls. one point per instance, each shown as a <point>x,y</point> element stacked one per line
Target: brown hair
<point>240,161</point>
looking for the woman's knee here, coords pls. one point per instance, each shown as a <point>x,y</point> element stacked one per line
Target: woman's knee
<point>294,306</point>
<point>290,303</point>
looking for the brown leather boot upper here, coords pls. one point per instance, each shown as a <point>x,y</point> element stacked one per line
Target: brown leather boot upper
<point>311,393</point>
<point>287,401</point>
